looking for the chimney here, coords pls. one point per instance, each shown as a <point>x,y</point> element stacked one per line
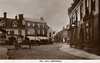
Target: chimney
<point>41,18</point>
<point>16,17</point>
<point>5,14</point>
<point>21,17</point>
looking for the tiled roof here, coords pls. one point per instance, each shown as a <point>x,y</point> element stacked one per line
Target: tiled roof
<point>34,20</point>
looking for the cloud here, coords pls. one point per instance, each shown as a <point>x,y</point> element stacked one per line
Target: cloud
<point>54,11</point>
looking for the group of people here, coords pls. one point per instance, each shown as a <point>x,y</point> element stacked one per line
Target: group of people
<point>18,43</point>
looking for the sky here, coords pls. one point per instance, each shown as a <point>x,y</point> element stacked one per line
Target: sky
<point>54,11</point>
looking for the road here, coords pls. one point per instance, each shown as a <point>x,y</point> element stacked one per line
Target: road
<point>40,52</point>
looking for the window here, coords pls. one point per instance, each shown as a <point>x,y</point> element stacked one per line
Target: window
<point>14,24</point>
<point>87,24</point>
<point>92,5</point>
<point>23,22</point>
<point>33,24</point>
<point>87,3</point>
<point>43,32</point>
<point>38,31</point>
<point>87,33</point>
<point>78,16</point>
<point>87,7</point>
<point>28,24</point>
<point>3,25</point>
<point>43,25</point>
<point>29,32</point>
<point>8,32</point>
<point>16,32</point>
<point>23,32</point>
<point>38,25</point>
<point>73,19</point>
<point>81,11</point>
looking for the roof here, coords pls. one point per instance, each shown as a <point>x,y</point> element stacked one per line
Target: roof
<point>34,20</point>
<point>3,30</point>
<point>27,19</point>
<point>7,18</point>
<point>73,6</point>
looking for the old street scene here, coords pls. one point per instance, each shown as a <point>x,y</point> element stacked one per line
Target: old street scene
<point>50,29</point>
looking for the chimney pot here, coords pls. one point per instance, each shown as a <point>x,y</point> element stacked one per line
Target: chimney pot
<point>5,14</point>
<point>41,18</point>
<point>21,16</point>
<point>16,17</point>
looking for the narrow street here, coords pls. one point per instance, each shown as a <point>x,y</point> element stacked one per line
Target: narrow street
<point>41,52</point>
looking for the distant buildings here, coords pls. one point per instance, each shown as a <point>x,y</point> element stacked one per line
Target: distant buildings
<point>36,27</point>
<point>62,36</point>
<point>84,25</point>
<point>21,27</point>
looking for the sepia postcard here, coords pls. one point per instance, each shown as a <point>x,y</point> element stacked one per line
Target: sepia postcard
<point>49,30</point>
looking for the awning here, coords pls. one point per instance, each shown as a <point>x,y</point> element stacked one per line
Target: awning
<point>43,37</point>
<point>36,38</point>
<point>33,38</point>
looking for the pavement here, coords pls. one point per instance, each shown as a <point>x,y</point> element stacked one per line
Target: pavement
<point>41,52</point>
<point>55,51</point>
<point>3,53</point>
<point>77,52</point>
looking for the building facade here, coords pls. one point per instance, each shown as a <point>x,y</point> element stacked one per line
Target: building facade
<point>84,25</point>
<point>21,27</point>
<point>37,28</point>
<point>12,26</point>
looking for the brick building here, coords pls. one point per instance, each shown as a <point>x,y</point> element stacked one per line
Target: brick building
<point>12,26</point>
<point>84,25</point>
<point>21,27</point>
<point>36,28</point>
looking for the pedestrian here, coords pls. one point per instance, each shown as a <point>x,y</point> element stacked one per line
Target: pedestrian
<point>15,42</point>
<point>19,42</point>
<point>30,43</point>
